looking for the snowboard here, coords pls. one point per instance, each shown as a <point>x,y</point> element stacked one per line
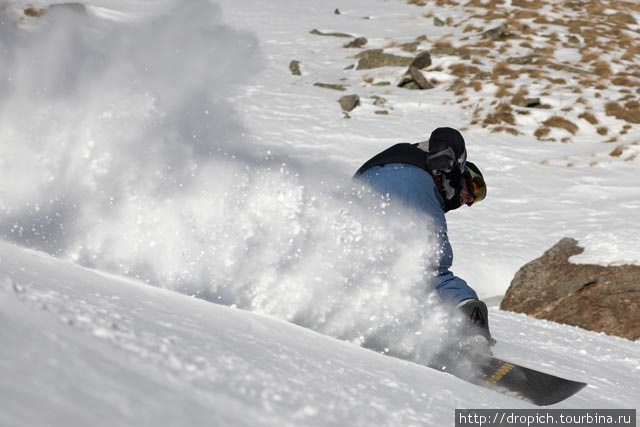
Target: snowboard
<point>509,378</point>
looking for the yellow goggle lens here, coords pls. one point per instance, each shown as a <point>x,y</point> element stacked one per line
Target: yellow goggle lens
<point>477,186</point>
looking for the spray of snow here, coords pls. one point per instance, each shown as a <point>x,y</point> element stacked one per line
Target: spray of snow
<point>121,152</point>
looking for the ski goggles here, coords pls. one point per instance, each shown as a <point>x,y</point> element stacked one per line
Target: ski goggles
<point>475,183</point>
<point>445,161</point>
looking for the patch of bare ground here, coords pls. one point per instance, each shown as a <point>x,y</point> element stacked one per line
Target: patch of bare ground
<point>617,152</point>
<point>556,80</point>
<point>475,116</point>
<point>561,123</point>
<point>629,112</point>
<point>602,69</point>
<point>542,132</point>
<point>631,52</point>
<point>502,69</point>
<point>519,97</point>
<point>503,90</point>
<point>462,70</point>
<point>506,129</point>
<point>624,79</point>
<point>585,48</point>
<point>489,5</point>
<point>503,113</point>
<point>470,28</point>
<point>446,3</point>
<point>589,117</point>
<point>529,4</point>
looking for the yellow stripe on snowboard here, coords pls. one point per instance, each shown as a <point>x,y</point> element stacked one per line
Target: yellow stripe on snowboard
<point>500,373</point>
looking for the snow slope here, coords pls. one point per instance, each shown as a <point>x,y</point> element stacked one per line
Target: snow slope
<point>152,136</point>
<point>84,348</point>
<point>168,142</point>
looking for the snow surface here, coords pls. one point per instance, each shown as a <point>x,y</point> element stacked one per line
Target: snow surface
<point>168,142</point>
<point>84,348</point>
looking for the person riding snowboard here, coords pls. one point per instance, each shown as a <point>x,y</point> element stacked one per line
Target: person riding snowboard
<point>434,177</point>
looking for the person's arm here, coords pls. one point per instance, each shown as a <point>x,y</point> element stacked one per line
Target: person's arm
<point>449,286</point>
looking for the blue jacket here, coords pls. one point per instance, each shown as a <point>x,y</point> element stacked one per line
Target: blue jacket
<point>414,187</point>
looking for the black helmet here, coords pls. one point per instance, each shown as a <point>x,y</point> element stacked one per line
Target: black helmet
<point>446,151</point>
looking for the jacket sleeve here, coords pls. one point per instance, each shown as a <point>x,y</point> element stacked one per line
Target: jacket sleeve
<point>448,286</point>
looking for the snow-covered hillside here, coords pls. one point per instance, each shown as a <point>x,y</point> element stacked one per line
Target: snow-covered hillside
<point>84,348</point>
<point>168,142</point>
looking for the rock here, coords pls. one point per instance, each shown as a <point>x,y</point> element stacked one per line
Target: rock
<point>529,102</point>
<point>407,83</point>
<point>410,47</point>
<point>32,12</point>
<point>320,33</point>
<point>294,67</point>
<point>574,39</point>
<point>379,101</point>
<point>349,102</point>
<point>414,79</point>
<point>522,60</point>
<point>357,42</point>
<point>594,297</point>
<point>419,78</point>
<point>330,86</point>
<point>438,22</point>
<point>498,33</point>
<point>422,60</point>
<point>376,58</point>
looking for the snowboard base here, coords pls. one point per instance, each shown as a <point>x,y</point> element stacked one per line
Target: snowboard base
<point>509,378</point>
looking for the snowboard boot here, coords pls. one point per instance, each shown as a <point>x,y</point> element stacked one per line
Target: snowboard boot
<point>466,339</point>
<point>476,336</point>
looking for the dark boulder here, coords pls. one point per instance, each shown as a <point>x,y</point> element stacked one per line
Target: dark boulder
<point>421,61</point>
<point>294,67</point>
<point>414,79</point>
<point>356,43</point>
<point>376,58</point>
<point>599,298</point>
<point>349,102</point>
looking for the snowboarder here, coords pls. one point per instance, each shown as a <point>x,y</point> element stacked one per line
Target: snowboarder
<point>434,177</point>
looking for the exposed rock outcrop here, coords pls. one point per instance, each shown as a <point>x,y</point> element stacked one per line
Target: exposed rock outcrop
<point>356,43</point>
<point>376,58</point>
<point>349,102</point>
<point>317,32</point>
<point>594,297</point>
<point>294,67</point>
<point>422,60</point>
<point>414,79</point>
